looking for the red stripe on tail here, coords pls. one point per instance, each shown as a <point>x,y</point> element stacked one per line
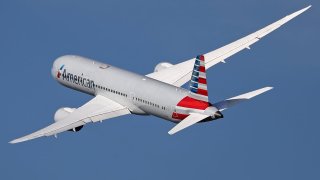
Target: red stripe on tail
<point>202,69</point>
<point>202,92</point>
<point>202,80</point>
<point>201,58</point>
<point>189,102</point>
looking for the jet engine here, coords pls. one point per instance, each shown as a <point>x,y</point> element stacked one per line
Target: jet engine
<point>63,113</point>
<point>162,66</point>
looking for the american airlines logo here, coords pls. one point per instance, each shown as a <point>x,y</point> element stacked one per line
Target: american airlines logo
<point>75,79</point>
<point>59,71</point>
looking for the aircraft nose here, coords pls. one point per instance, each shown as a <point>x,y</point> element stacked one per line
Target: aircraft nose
<point>57,67</point>
<point>54,69</point>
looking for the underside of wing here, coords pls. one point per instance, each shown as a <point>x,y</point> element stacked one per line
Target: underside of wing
<point>180,73</point>
<point>192,119</point>
<point>97,109</point>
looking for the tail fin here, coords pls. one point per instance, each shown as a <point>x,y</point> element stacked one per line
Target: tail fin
<point>198,83</point>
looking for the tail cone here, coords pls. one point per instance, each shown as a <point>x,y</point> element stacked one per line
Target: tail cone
<point>218,115</point>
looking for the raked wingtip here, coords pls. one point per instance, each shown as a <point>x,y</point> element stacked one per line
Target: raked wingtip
<point>306,8</point>
<point>269,88</point>
<point>13,141</point>
<point>18,140</point>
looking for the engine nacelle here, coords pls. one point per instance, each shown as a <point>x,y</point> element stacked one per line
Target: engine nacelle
<point>162,66</point>
<point>63,113</point>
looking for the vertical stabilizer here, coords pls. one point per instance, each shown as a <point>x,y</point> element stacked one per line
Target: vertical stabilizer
<point>198,83</point>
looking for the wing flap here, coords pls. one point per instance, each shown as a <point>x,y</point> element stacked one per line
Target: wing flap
<point>109,115</point>
<point>97,109</point>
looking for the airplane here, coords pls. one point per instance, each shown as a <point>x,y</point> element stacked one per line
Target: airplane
<point>118,92</point>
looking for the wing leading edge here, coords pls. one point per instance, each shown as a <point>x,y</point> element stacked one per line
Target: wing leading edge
<point>180,73</point>
<point>97,109</point>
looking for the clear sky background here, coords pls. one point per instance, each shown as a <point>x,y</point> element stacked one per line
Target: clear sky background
<point>274,136</point>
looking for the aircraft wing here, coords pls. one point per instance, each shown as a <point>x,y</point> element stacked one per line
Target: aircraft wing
<point>97,109</point>
<point>180,73</point>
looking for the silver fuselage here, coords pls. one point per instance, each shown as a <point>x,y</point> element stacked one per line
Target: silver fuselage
<point>142,95</point>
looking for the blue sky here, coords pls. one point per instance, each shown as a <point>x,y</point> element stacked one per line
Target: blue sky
<point>275,136</point>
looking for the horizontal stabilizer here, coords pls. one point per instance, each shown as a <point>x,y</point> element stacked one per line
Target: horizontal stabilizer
<point>192,119</point>
<point>225,104</point>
